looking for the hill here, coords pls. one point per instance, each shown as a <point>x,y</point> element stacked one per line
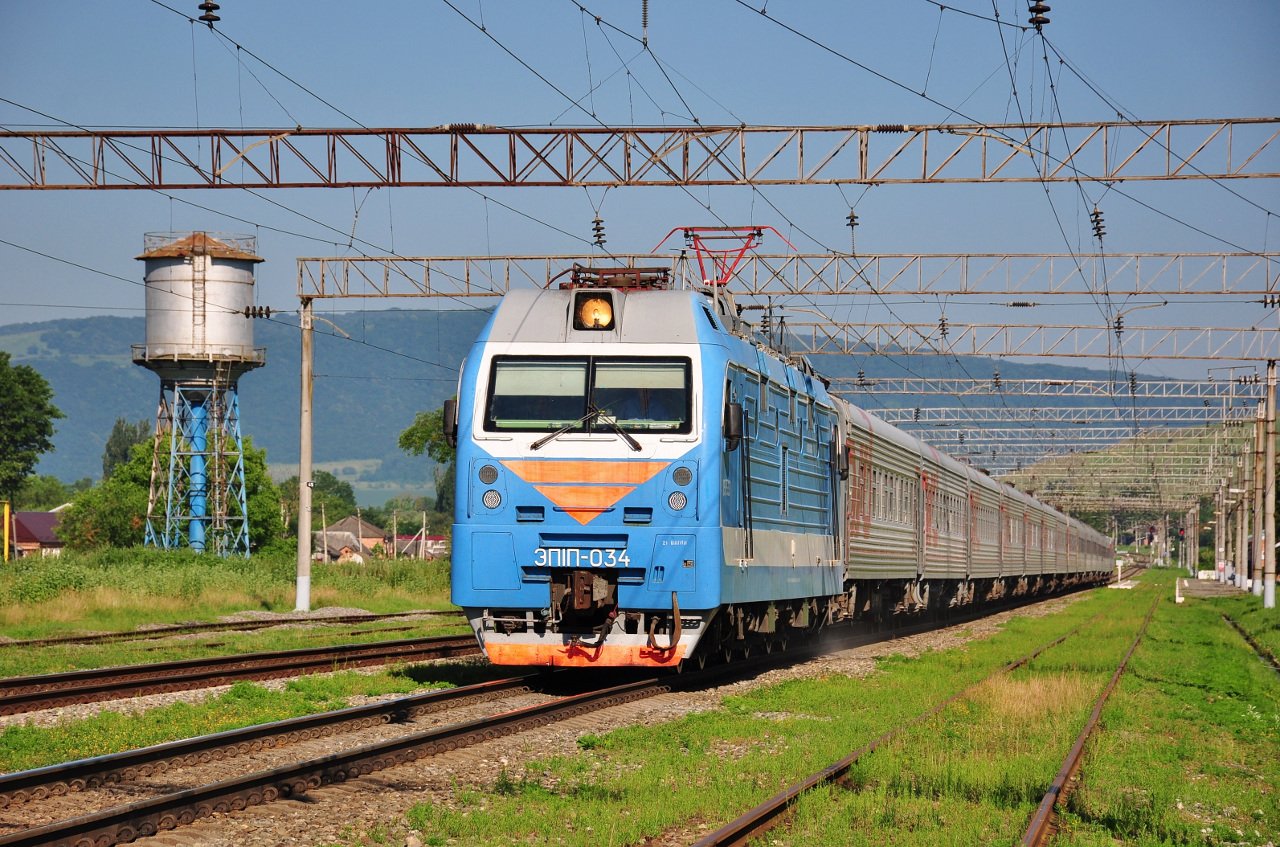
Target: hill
<point>368,387</point>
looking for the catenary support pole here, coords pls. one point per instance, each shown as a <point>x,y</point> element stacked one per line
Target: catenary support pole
<point>303,603</point>
<point>1219,531</point>
<point>1259,547</point>
<point>1269,507</point>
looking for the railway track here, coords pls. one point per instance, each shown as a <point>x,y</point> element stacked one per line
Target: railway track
<point>220,626</point>
<point>124,823</point>
<point>772,811</point>
<point>1263,653</point>
<point>31,693</point>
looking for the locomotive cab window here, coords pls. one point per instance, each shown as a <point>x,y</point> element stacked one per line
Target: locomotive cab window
<point>544,394</point>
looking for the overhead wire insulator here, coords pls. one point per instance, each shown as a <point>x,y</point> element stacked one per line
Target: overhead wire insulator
<point>1038,15</point>
<point>1119,325</point>
<point>862,377</point>
<point>257,312</point>
<point>852,223</point>
<point>915,414</point>
<point>209,8</point>
<point>942,326</point>
<point>1095,218</point>
<point>1270,301</point>
<point>597,232</point>
<point>1133,382</point>
<point>995,379</point>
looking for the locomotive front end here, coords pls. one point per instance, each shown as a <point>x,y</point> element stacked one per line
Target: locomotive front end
<point>587,515</point>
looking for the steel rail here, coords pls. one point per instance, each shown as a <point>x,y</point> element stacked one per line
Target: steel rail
<point>1263,653</point>
<point>1043,821</point>
<point>82,774</point>
<point>121,824</point>
<point>28,693</point>
<point>764,816</point>
<point>219,626</point>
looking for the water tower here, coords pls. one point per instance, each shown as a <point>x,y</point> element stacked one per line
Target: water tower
<point>199,341</point>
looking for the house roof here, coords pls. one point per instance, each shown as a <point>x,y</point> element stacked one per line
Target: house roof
<point>337,541</point>
<point>37,528</point>
<point>359,526</point>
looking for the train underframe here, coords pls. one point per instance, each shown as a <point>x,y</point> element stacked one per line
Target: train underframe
<point>742,630</point>
<point>584,626</point>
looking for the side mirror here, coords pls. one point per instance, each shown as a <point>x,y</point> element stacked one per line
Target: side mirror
<point>449,421</point>
<point>732,426</point>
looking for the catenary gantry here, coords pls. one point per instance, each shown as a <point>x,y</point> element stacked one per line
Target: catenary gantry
<point>491,156</point>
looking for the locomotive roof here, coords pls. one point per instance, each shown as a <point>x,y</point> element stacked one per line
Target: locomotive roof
<point>643,317</point>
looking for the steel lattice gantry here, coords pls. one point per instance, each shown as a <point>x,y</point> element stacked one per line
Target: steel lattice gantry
<point>490,156</point>
<point>1081,415</point>
<point>819,274</point>
<point>1228,390</point>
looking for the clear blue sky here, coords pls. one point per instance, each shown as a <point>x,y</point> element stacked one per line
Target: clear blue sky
<point>135,63</point>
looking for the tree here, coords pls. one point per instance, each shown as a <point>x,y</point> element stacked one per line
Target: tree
<point>44,492</point>
<point>124,435</point>
<point>331,498</point>
<point>426,435</point>
<point>27,414</point>
<point>114,513</point>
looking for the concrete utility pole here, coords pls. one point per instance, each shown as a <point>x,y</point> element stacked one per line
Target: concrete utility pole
<point>1259,546</point>
<point>1246,516</point>
<point>305,484</point>
<point>1269,575</point>
<point>1219,531</point>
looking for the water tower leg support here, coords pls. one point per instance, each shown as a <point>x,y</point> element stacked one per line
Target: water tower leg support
<point>200,482</point>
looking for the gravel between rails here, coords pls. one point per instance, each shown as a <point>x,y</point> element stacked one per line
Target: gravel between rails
<point>344,813</point>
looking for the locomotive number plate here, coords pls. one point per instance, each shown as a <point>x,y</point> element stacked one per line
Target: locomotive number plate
<point>580,557</point>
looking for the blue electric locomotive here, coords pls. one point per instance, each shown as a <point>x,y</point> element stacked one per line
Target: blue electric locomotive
<point>640,482</point>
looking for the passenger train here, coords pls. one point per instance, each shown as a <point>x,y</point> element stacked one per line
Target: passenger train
<point>642,481</point>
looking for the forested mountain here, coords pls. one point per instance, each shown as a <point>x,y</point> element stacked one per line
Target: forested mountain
<point>368,387</point>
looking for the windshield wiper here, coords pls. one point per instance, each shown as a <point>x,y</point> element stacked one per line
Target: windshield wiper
<point>612,423</point>
<point>547,439</point>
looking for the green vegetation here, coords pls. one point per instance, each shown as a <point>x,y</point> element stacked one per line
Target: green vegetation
<point>1189,751</point>
<point>23,747</point>
<point>1262,624</point>
<point>709,767</point>
<point>27,414</point>
<point>112,590</point>
<point>114,513</point>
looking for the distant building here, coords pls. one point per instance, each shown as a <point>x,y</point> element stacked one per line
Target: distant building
<point>370,536</point>
<point>419,547</point>
<point>35,533</point>
<point>330,546</point>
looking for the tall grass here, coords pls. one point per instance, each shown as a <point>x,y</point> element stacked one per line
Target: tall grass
<point>121,589</point>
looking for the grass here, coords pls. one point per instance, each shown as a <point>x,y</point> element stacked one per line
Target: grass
<point>1190,747</point>
<point>23,747</point>
<point>638,782</point>
<point>122,589</point>
<point>127,589</point>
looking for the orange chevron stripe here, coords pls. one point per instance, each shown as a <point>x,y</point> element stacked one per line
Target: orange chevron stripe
<point>584,502</point>
<point>581,472</point>
<point>584,489</point>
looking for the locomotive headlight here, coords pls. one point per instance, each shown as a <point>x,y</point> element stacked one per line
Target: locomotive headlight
<point>682,476</point>
<point>491,499</point>
<point>488,474</point>
<point>677,501</point>
<point>592,311</point>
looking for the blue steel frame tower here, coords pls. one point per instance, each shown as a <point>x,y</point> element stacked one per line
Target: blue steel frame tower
<point>199,342</point>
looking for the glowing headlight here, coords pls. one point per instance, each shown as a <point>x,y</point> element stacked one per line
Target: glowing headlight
<point>677,501</point>
<point>491,499</point>
<point>592,311</point>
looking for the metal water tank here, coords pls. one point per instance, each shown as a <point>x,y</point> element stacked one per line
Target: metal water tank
<point>199,287</point>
